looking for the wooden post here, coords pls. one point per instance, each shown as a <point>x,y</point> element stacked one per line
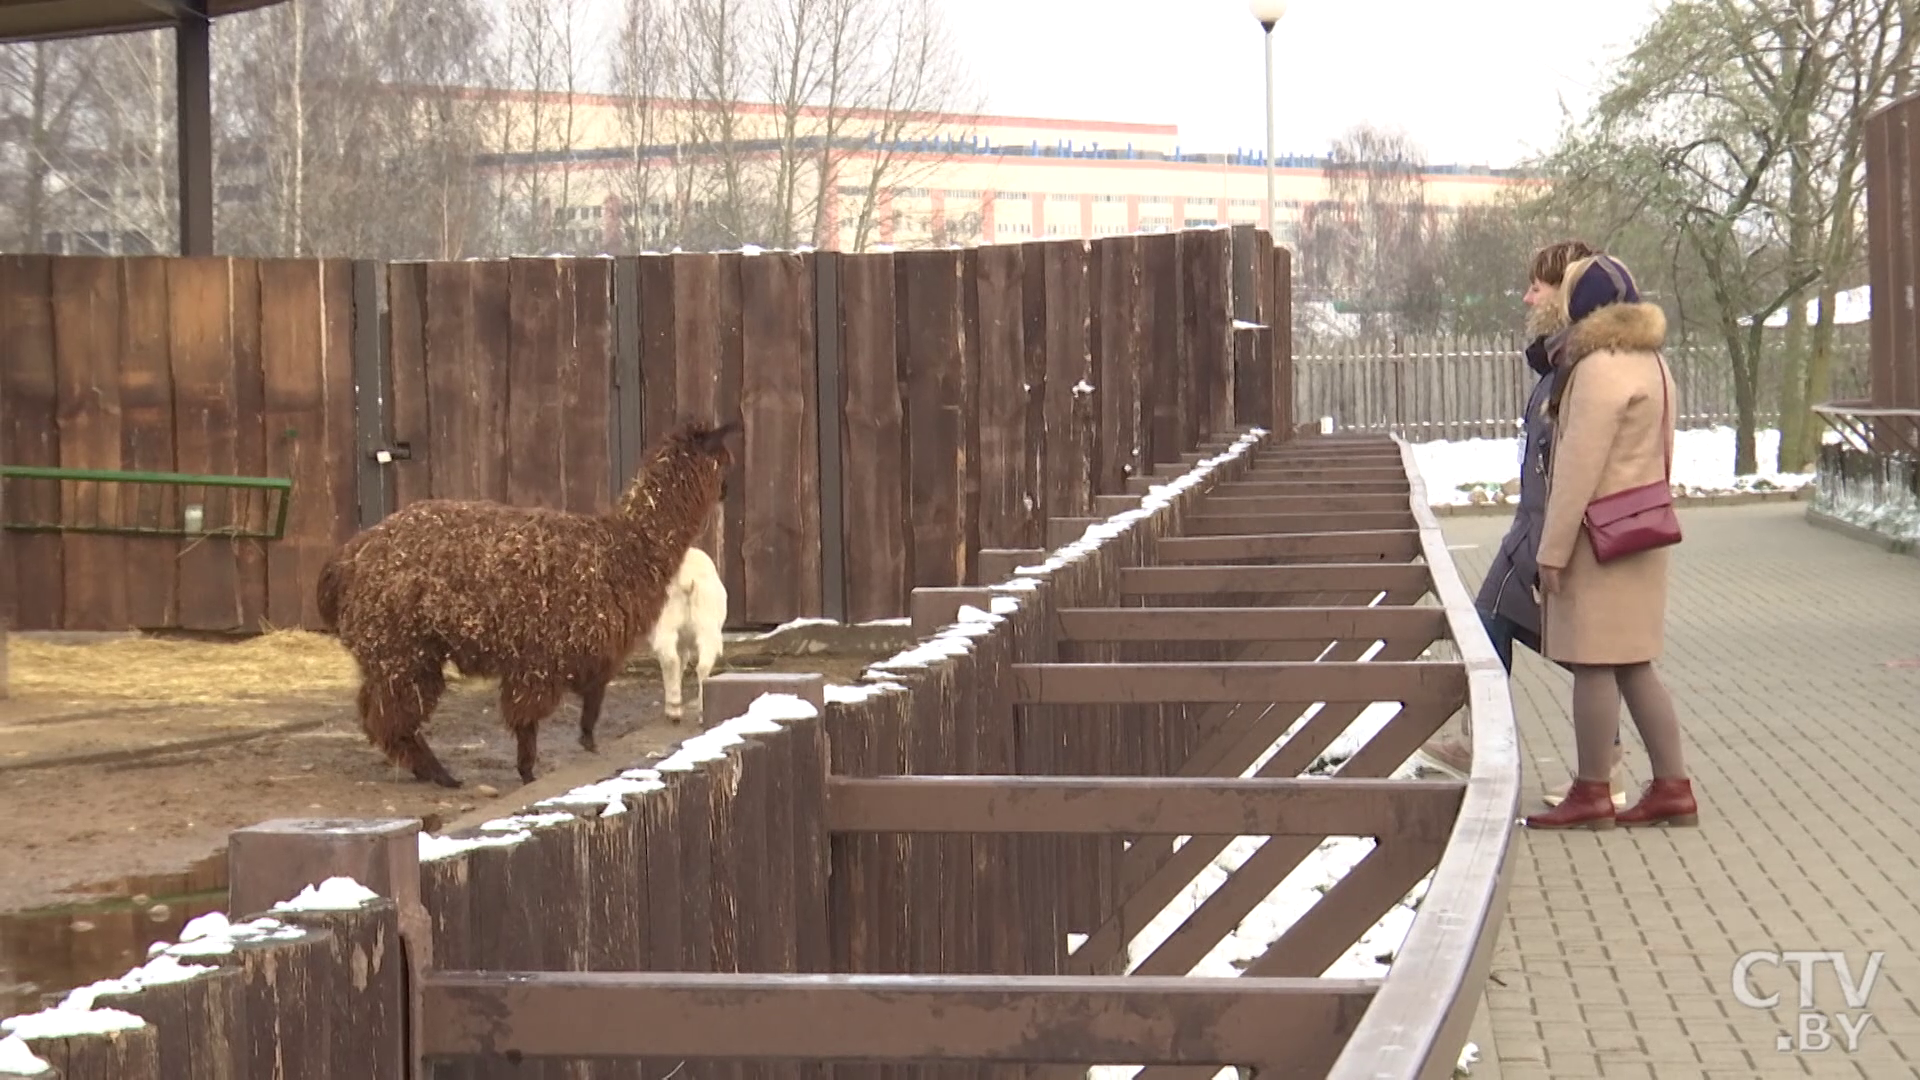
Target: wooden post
<point>934,608</point>
<point>730,694</point>
<point>1062,531</point>
<point>1002,564</point>
<point>274,860</point>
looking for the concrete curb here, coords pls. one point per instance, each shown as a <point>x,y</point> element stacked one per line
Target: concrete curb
<point>1889,544</point>
<point>1684,502</point>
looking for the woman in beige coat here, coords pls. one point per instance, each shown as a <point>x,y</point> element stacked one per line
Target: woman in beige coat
<point>1612,412</point>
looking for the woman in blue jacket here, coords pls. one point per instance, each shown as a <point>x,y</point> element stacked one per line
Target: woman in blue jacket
<point>1508,604</point>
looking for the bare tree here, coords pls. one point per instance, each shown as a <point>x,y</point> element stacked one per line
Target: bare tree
<point>1369,243</point>
<point>537,124</point>
<point>645,66</point>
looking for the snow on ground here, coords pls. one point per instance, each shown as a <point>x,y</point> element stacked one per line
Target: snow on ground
<point>1702,465</point>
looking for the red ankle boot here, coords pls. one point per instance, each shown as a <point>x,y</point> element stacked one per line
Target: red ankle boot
<point>1588,805</point>
<point>1665,802</point>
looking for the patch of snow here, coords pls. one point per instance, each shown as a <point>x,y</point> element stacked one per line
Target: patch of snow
<point>520,822</point>
<point>434,847</point>
<point>608,793</point>
<point>1242,324</point>
<point>1473,470</point>
<point>1082,388</point>
<point>212,935</point>
<point>796,624</point>
<point>902,621</point>
<point>17,1060</point>
<point>1005,605</point>
<point>858,692</point>
<point>333,894</point>
<point>63,1023</point>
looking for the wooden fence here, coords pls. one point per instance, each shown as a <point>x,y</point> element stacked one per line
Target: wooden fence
<point>956,822</point>
<point>1475,388</point>
<point>967,396</point>
<point>1882,418</point>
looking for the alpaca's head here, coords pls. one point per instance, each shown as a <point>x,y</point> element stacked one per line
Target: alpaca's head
<point>686,474</point>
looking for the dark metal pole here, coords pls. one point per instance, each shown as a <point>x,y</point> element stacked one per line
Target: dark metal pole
<point>194,89</point>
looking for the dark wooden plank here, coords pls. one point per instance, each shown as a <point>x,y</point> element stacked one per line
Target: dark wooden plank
<point>955,1018</point>
<point>873,434</point>
<point>827,376</point>
<point>1116,359</point>
<point>1390,545</point>
<point>589,394</point>
<point>729,555</point>
<point>932,372</point>
<point>1164,418</point>
<point>294,395</point>
<point>86,340</point>
<point>1207,340</point>
<point>1150,806</point>
<point>1271,580</point>
<point>1302,682</point>
<point>407,382</point>
<point>697,334</point>
<point>250,444</point>
<point>200,298</point>
<point>468,330</point>
<point>538,346</point>
<point>780,470</point>
<point>146,433</point>
<point>373,481</point>
<point>1070,391</point>
<point>627,423</point>
<point>1009,504</point>
<point>342,427</point>
<point>659,369</point>
<point>31,438</point>
<point>1267,624</point>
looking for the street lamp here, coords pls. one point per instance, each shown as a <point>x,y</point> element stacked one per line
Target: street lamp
<point>1269,12</point>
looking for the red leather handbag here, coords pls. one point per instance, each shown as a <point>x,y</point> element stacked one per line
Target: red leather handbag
<point>1637,519</point>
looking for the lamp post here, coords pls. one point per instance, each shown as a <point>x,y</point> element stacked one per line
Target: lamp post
<point>1269,12</point>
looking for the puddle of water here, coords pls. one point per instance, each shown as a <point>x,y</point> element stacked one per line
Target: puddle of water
<point>44,952</point>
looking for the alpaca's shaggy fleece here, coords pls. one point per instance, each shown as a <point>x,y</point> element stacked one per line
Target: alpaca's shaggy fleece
<point>543,600</point>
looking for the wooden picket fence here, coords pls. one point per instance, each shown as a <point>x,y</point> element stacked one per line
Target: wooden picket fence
<point>1475,388</point>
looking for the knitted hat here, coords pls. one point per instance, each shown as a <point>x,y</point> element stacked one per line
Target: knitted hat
<point>1602,281</point>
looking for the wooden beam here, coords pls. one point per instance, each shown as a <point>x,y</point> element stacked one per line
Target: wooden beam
<point>1149,684</point>
<point>1144,806</point>
<point>1250,624</point>
<point>1301,504</point>
<point>1395,545</point>
<point>1224,522</point>
<point>1275,473</point>
<point>1314,487</point>
<point>1194,580</point>
<point>1291,1027</point>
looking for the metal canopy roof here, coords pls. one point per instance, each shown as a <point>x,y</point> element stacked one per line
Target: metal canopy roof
<point>30,20</point>
<point>191,20</point>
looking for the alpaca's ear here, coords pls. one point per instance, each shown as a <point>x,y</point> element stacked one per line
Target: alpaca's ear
<point>716,439</point>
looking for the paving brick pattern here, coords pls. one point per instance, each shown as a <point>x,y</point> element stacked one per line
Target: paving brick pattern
<point>1802,728</point>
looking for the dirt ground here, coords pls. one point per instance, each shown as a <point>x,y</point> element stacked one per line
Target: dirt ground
<point>102,791</point>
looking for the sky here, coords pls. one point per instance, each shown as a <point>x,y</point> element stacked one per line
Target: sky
<point>1475,82</point>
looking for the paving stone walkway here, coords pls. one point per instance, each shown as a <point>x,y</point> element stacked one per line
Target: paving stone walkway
<point>1794,656</point>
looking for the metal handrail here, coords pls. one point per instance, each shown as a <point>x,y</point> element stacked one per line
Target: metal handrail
<point>1417,1023</point>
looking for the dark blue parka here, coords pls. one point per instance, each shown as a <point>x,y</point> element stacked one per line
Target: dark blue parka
<point>1508,588</point>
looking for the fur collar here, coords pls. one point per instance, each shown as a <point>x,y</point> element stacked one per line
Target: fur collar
<point>1546,318</point>
<point>1638,327</point>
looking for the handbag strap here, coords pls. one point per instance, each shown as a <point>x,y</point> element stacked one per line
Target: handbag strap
<point>1666,412</point>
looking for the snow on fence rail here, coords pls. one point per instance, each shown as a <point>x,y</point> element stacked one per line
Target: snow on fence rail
<point>1000,811</point>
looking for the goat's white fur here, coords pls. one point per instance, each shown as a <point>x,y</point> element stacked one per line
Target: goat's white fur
<point>695,610</point>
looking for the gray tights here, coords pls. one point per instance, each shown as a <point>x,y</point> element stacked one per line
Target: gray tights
<point>1597,692</point>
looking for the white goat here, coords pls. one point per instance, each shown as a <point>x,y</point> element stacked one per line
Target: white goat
<point>695,610</point>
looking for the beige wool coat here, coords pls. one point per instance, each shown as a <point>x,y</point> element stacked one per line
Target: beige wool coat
<point>1613,432</point>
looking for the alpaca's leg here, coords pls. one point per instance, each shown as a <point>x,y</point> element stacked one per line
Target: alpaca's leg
<point>592,694</point>
<point>672,671</point>
<point>523,704</point>
<point>392,709</point>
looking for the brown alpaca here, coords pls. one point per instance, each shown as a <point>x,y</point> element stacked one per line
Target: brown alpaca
<point>543,600</point>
